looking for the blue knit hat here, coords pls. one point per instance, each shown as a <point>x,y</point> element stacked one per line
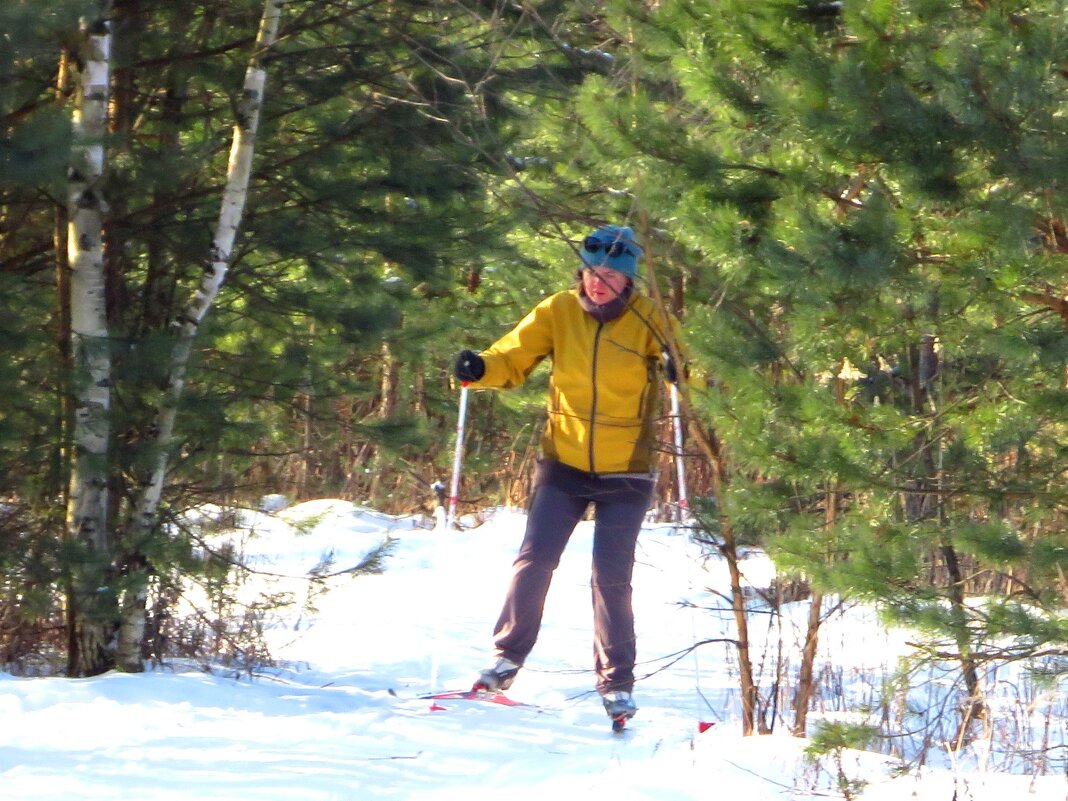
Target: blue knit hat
<point>612,246</point>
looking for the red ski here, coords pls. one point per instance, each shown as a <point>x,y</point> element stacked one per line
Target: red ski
<point>474,694</point>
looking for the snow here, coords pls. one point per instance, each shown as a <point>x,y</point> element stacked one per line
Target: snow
<point>340,715</point>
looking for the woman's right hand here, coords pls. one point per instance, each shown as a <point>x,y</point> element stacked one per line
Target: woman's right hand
<point>469,366</point>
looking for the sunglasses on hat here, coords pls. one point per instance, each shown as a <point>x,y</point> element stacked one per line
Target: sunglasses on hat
<point>593,245</point>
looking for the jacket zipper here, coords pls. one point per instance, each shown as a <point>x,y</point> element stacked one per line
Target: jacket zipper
<point>593,399</point>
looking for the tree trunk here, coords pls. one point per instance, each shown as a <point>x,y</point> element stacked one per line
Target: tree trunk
<point>931,504</point>
<point>90,611</point>
<point>711,448</point>
<point>145,514</point>
<point>709,443</point>
<point>64,401</point>
<point>974,708</point>
<point>807,672</point>
<point>741,621</point>
<point>387,406</point>
<point>309,456</point>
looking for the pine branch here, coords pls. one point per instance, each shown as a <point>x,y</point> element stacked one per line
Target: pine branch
<point>1055,303</point>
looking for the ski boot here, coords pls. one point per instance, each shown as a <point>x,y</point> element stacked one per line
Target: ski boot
<point>620,707</point>
<point>497,678</point>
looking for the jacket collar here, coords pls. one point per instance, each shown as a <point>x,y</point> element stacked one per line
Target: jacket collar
<point>606,312</point>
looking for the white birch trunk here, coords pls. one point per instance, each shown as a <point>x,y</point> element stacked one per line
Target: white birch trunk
<point>87,505</point>
<point>146,511</point>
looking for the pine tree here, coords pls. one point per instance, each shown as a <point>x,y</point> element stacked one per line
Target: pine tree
<point>869,197</point>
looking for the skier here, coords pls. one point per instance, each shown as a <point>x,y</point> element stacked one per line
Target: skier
<point>608,346</point>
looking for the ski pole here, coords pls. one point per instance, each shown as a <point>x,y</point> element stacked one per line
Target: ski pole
<point>457,458</point>
<point>676,419</point>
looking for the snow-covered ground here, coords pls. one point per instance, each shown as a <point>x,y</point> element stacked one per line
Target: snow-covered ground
<point>341,716</point>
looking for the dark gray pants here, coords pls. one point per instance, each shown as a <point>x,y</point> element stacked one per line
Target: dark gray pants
<point>561,497</point>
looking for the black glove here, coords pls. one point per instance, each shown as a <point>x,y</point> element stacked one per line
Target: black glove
<point>671,373</point>
<point>469,366</point>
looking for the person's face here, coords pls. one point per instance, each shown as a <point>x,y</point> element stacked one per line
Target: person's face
<point>603,284</point>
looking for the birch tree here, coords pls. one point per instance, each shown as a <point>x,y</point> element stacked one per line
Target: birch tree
<point>146,512</point>
<point>87,522</point>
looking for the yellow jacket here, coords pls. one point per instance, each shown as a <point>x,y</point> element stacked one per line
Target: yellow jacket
<point>603,389</point>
